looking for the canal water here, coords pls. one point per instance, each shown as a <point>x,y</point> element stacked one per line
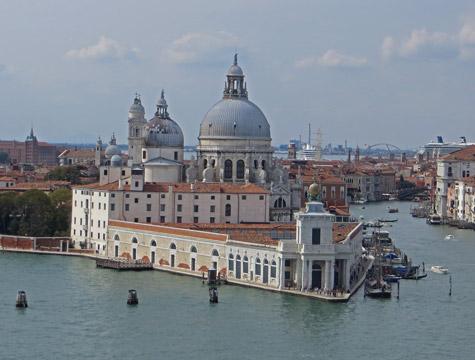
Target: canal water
<point>77,311</point>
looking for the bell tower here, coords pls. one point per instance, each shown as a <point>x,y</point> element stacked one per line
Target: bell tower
<point>136,125</point>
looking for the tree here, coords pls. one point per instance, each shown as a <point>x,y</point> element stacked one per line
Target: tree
<point>4,157</point>
<point>7,211</point>
<point>34,210</point>
<point>65,173</point>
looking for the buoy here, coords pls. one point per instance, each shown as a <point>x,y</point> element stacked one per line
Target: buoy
<point>21,299</point>
<point>213,295</point>
<point>132,298</point>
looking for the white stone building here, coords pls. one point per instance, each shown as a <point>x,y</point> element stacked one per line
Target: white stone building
<point>314,253</point>
<point>457,165</point>
<point>132,200</point>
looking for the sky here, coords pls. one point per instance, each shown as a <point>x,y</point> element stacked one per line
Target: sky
<point>365,72</point>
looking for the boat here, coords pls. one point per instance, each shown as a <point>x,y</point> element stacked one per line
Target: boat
<point>414,276</point>
<point>436,149</point>
<point>449,237</point>
<point>388,221</point>
<point>439,269</point>
<point>377,289</point>
<point>393,210</point>
<point>392,278</point>
<point>434,219</point>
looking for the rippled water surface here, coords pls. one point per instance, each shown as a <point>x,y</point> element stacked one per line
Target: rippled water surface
<point>77,311</point>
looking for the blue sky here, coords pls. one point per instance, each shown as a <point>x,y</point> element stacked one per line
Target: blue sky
<point>363,71</point>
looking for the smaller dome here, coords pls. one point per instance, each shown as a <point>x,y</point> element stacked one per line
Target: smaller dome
<point>235,70</point>
<point>116,160</point>
<point>137,111</point>
<point>112,150</point>
<point>162,102</point>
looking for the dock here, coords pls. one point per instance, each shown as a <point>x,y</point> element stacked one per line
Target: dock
<point>123,264</point>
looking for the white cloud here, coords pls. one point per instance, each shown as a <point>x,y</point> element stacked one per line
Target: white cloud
<point>194,47</point>
<point>334,59</point>
<point>306,62</point>
<point>105,49</point>
<point>436,45</point>
<point>331,59</point>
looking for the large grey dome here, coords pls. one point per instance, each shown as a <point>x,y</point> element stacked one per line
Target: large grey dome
<point>235,117</point>
<point>116,160</point>
<point>163,132</point>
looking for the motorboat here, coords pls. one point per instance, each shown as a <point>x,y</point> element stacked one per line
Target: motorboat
<point>449,237</point>
<point>393,210</point>
<point>392,278</point>
<point>378,289</point>
<point>439,269</point>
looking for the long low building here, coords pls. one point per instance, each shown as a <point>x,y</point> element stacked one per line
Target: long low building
<point>316,252</point>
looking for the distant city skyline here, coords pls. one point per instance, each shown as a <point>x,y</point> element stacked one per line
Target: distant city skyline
<point>366,72</point>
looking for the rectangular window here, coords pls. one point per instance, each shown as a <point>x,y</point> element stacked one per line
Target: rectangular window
<point>180,197</point>
<point>195,208</point>
<point>136,200</point>
<point>80,221</point>
<point>99,223</point>
<point>149,219</point>
<point>162,207</point>
<point>105,172</point>
<point>261,197</point>
<point>162,219</point>
<point>162,196</point>
<point>211,220</point>
<point>178,219</point>
<point>136,219</point>
<point>287,262</point>
<point>74,220</point>
<point>112,195</point>
<point>316,236</point>
<point>126,207</point>
<point>99,206</point>
<point>212,208</point>
<point>127,196</point>
<point>212,197</point>
<point>136,184</point>
<point>195,219</point>
<point>244,197</point>
<point>92,205</point>
<point>228,197</point>
<point>149,196</point>
<point>196,197</point>
<point>149,207</point>
<point>123,172</point>
<point>104,224</point>
<point>178,207</point>
<point>112,207</point>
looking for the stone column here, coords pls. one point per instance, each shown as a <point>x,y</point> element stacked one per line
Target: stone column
<point>282,273</point>
<point>299,273</point>
<point>304,273</point>
<point>332,274</point>
<point>309,273</point>
<point>327,274</point>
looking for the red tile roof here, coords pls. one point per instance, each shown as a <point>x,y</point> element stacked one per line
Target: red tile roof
<point>467,154</point>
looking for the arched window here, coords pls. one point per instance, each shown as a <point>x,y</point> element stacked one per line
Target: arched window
<point>228,169</point>
<point>153,243</point>
<point>173,246</point>
<point>215,252</point>
<point>193,249</point>
<point>116,237</point>
<point>273,269</point>
<point>263,164</point>
<point>258,266</point>
<point>213,163</point>
<point>227,211</point>
<point>240,169</point>
<point>280,203</point>
<point>134,240</point>
<point>205,163</point>
<point>245,265</point>
<point>255,164</point>
<point>231,262</point>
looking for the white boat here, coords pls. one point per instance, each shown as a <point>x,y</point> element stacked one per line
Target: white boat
<point>439,269</point>
<point>449,237</point>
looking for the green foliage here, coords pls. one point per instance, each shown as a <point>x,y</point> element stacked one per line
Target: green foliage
<point>3,157</point>
<point>65,173</point>
<point>35,213</point>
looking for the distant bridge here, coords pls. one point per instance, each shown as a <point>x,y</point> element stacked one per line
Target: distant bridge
<point>389,148</point>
